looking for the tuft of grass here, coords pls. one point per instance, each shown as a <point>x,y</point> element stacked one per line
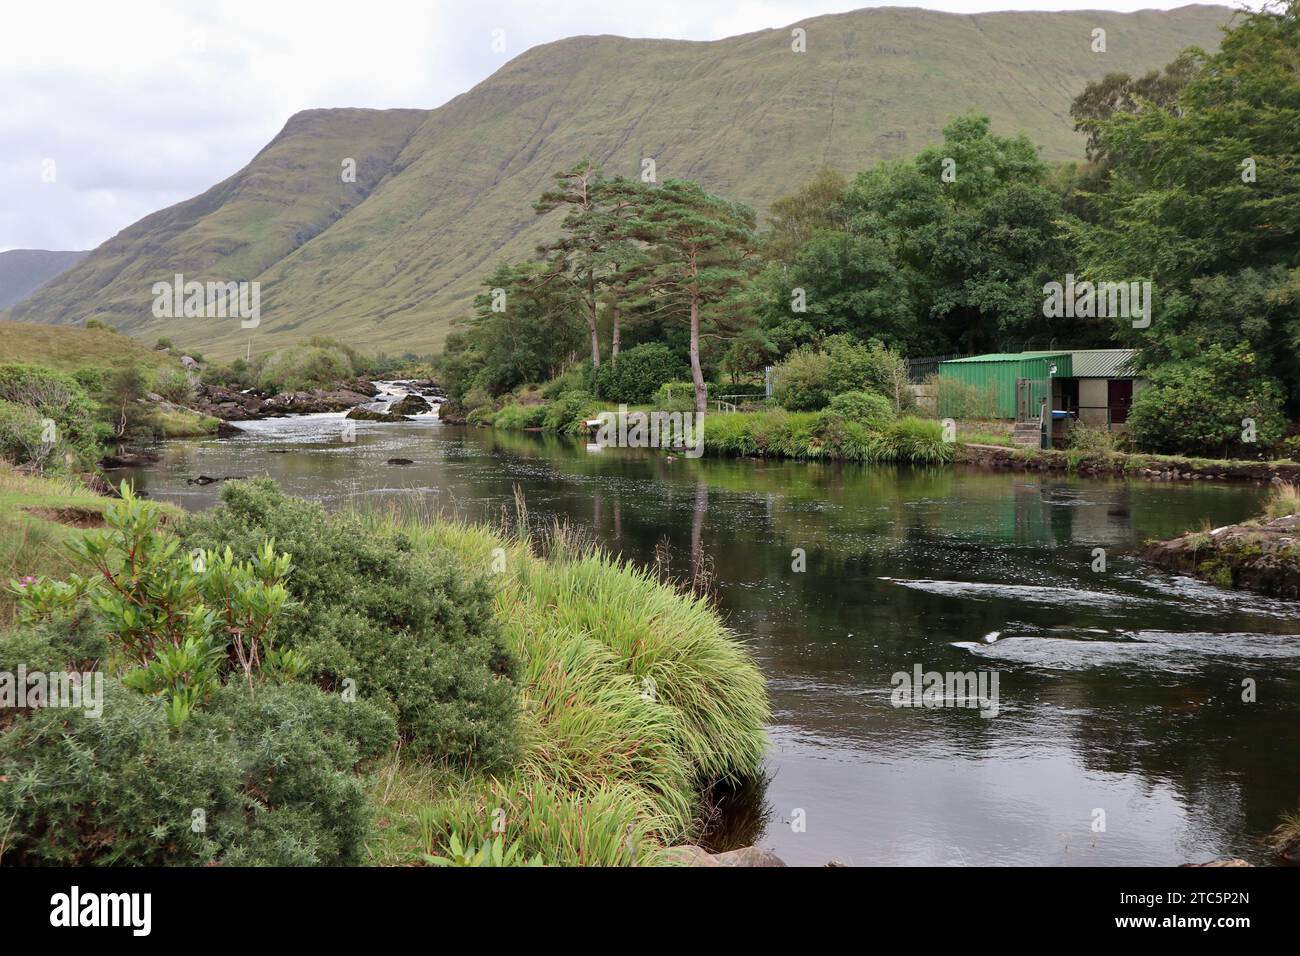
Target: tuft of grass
<point>1283,501</point>
<point>635,698</point>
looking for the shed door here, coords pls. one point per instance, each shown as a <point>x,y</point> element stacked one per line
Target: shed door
<point>1120,399</point>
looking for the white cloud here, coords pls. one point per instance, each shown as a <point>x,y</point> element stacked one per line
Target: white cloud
<point>144,104</point>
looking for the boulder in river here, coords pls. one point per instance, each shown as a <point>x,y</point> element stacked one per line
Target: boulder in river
<point>370,415</point>
<point>410,405</point>
<point>399,461</point>
<point>129,459</point>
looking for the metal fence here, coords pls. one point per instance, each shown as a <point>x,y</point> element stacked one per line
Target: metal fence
<point>919,369</point>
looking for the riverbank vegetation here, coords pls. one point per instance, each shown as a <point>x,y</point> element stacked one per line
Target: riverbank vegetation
<point>385,688</point>
<point>945,252</point>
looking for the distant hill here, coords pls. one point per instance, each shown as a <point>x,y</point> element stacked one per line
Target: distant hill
<point>389,262</point>
<point>23,271</point>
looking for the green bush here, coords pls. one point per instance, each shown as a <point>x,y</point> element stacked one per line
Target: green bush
<point>414,632</point>
<point>675,397</point>
<point>237,375</point>
<point>49,419</point>
<point>853,366</point>
<point>483,415</point>
<point>303,367</point>
<point>1197,406</point>
<point>520,416</point>
<point>567,413</point>
<point>637,374</point>
<point>576,379</point>
<point>269,781</point>
<point>868,408</point>
<point>803,380</point>
<point>173,385</point>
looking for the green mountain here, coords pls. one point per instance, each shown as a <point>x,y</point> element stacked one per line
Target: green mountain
<point>23,271</point>
<point>389,262</point>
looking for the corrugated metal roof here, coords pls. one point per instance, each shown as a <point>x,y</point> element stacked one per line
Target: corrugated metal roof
<point>1003,357</point>
<point>1104,363</point>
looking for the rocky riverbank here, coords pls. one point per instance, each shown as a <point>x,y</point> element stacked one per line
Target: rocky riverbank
<point>235,405</point>
<point>1117,465</point>
<point>1261,555</point>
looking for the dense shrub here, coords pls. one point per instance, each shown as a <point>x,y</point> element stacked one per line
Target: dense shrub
<point>238,375</point>
<point>47,418</point>
<point>413,632</point>
<point>1197,406</point>
<point>854,366</point>
<point>567,413</point>
<point>869,408</point>
<point>302,367</point>
<point>272,781</point>
<point>173,385</point>
<point>576,379</point>
<point>803,380</point>
<point>675,397</point>
<point>637,374</point>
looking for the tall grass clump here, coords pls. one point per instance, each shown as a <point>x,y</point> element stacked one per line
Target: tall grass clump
<point>634,696</point>
<point>1283,501</point>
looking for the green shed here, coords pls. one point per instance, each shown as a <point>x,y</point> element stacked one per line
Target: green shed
<point>1015,382</point>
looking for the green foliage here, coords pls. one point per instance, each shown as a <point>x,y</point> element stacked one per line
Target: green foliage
<point>1202,198</point>
<point>174,616</point>
<point>674,397</point>
<point>245,782</point>
<point>567,413</point>
<point>803,380</point>
<point>827,434</point>
<point>491,853</point>
<point>46,418</point>
<point>239,374</point>
<point>163,343</point>
<point>517,417</point>
<point>523,333</point>
<point>1197,406</point>
<point>173,384</point>
<point>964,400</point>
<point>412,631</point>
<point>926,263</point>
<point>637,375</point>
<point>869,408</point>
<point>319,364</point>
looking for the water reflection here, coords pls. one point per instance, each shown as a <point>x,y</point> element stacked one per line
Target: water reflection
<point>1120,691</point>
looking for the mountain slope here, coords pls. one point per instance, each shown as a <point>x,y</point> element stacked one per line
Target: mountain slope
<point>23,271</point>
<point>450,192</point>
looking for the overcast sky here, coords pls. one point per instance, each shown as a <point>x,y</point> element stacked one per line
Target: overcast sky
<point>133,105</point>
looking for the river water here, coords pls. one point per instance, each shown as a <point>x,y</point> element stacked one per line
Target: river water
<point>1121,734</point>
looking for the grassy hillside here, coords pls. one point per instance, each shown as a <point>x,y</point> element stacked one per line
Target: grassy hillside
<point>67,349</point>
<point>391,265</point>
<point>23,271</point>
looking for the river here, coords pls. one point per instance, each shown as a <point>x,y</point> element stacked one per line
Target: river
<point>1121,734</point>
